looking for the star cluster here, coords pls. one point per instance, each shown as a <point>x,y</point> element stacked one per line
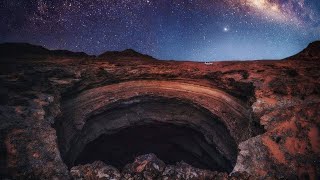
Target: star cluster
<point>167,29</point>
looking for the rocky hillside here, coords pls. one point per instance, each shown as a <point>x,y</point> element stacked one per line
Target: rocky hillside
<point>310,52</point>
<point>128,53</point>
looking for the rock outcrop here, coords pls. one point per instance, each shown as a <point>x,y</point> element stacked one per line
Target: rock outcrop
<point>150,167</point>
<point>96,170</point>
<point>255,119</point>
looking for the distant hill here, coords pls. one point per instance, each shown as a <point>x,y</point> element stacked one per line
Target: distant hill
<point>68,53</point>
<point>20,50</point>
<point>128,53</point>
<point>312,51</point>
<point>13,50</point>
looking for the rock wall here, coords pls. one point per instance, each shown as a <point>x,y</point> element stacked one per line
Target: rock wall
<point>109,108</point>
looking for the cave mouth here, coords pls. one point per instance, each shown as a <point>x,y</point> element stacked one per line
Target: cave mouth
<point>170,143</point>
<point>173,129</point>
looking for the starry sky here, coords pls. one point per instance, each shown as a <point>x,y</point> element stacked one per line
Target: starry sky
<point>199,30</point>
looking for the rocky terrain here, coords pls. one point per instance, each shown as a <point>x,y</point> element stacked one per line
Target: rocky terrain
<point>66,115</point>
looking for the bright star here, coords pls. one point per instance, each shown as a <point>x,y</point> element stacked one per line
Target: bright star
<point>226,29</point>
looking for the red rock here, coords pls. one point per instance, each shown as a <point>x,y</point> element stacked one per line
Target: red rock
<point>51,108</point>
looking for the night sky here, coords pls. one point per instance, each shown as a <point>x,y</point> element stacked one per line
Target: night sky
<point>166,29</point>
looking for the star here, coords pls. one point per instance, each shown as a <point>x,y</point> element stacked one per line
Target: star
<point>165,29</point>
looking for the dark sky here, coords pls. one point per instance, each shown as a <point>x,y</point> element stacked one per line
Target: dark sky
<point>166,29</point>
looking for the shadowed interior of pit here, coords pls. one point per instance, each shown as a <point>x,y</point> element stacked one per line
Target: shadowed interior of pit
<point>171,143</point>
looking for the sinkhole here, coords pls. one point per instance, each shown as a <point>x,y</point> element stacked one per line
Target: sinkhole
<point>173,129</point>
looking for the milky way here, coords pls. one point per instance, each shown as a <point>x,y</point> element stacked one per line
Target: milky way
<point>166,29</point>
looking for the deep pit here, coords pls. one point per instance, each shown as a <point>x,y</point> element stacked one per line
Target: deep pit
<point>170,143</point>
<point>174,129</point>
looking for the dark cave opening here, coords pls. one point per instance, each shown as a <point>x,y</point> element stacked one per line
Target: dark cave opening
<point>173,129</point>
<point>170,143</point>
